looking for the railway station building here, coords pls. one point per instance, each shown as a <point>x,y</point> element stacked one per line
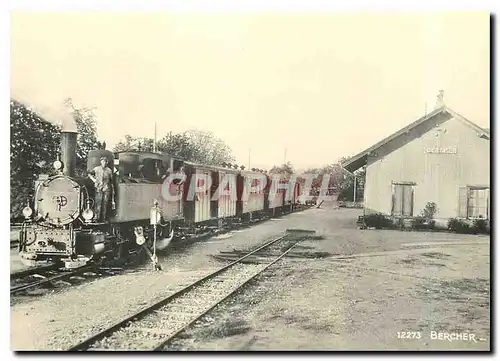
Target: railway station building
<point>442,158</point>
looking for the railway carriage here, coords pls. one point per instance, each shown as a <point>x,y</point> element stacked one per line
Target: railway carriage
<point>253,194</point>
<point>283,196</point>
<point>276,196</point>
<point>198,207</point>
<point>224,191</point>
<point>157,197</point>
<point>293,201</point>
<point>210,194</point>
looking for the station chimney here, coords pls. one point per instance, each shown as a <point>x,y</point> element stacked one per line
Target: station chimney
<point>440,100</point>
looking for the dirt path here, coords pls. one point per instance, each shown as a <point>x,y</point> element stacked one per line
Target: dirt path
<point>362,301</point>
<point>364,288</point>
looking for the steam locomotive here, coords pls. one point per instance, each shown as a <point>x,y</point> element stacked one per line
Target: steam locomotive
<point>158,198</point>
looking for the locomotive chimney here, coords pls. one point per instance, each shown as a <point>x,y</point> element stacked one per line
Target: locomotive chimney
<point>69,135</point>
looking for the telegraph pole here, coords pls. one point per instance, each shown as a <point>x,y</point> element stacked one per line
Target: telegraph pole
<point>354,196</point>
<point>154,141</point>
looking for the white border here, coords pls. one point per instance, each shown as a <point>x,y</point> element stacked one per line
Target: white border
<point>200,5</point>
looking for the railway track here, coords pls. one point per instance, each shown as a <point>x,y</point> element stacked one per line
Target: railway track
<point>32,271</point>
<point>45,276</point>
<point>152,328</point>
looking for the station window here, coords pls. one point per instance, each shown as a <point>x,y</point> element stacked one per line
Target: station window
<point>402,199</point>
<point>474,202</point>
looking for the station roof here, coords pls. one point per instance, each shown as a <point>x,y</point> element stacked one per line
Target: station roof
<point>360,159</point>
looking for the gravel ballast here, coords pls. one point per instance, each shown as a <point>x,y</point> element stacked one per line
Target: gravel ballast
<point>57,321</point>
<point>326,302</point>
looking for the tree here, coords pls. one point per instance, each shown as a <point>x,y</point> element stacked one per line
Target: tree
<point>335,175</point>
<point>134,144</point>
<point>35,144</point>
<point>192,145</point>
<point>347,186</point>
<point>207,148</point>
<point>340,181</point>
<point>285,169</point>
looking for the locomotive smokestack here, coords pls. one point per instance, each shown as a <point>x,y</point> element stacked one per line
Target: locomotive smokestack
<point>69,134</point>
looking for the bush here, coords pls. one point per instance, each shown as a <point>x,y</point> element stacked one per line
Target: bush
<point>344,204</point>
<point>481,226</point>
<point>469,227</point>
<point>377,220</point>
<point>460,226</point>
<point>430,210</point>
<point>423,223</point>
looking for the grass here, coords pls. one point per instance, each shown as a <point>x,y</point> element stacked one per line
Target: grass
<point>226,328</point>
<point>436,264</point>
<point>459,290</point>
<point>409,261</point>
<point>472,285</point>
<point>438,255</point>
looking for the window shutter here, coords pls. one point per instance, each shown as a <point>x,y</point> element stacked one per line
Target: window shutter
<point>407,196</point>
<point>462,202</point>
<point>398,200</point>
<point>393,198</point>
<point>488,202</point>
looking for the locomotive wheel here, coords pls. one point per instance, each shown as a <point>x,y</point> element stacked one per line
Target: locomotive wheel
<point>119,253</point>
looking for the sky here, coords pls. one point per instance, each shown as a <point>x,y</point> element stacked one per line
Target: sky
<point>306,87</point>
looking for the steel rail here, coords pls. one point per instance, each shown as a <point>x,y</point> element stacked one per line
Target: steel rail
<point>20,288</point>
<point>87,343</point>
<point>32,271</point>
<point>167,340</point>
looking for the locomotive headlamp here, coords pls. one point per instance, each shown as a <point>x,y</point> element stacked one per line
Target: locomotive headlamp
<point>27,212</point>
<point>88,214</point>
<point>57,165</point>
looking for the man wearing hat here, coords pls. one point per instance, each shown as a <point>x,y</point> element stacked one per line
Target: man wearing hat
<point>103,181</point>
